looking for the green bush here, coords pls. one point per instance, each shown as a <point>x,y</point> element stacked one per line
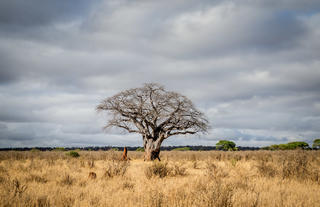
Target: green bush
<point>178,170</point>
<point>34,150</point>
<point>67,180</point>
<point>182,149</point>
<point>266,148</point>
<point>289,146</point>
<point>116,168</point>
<point>158,169</point>
<point>58,149</point>
<point>73,154</point>
<point>316,144</point>
<point>140,149</point>
<point>296,145</point>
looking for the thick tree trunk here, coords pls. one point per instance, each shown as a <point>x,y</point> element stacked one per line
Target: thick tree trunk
<point>151,148</point>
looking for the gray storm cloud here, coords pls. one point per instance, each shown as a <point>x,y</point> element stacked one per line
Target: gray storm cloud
<point>253,67</point>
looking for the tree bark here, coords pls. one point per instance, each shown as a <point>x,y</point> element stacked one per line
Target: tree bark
<point>151,148</point>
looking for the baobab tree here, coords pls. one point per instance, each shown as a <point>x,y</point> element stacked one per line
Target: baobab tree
<point>155,113</point>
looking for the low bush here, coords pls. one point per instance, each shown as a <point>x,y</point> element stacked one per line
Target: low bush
<point>140,149</point>
<point>289,146</point>
<point>157,169</point>
<point>59,149</point>
<point>66,180</point>
<point>73,154</point>
<point>178,170</point>
<point>17,187</point>
<point>182,149</point>
<point>116,168</point>
<point>34,150</point>
<point>36,178</point>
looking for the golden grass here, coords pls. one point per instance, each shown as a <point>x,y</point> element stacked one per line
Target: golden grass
<point>262,178</point>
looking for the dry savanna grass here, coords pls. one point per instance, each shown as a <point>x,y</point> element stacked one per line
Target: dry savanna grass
<point>260,178</point>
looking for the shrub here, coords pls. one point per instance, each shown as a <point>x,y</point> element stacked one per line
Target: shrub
<point>42,201</point>
<point>18,187</point>
<point>220,194</point>
<point>59,149</point>
<point>34,150</point>
<point>297,145</point>
<point>36,178</point>
<point>116,168</point>
<point>158,169</point>
<point>127,184</point>
<point>265,148</point>
<point>214,171</point>
<point>73,154</point>
<point>208,192</point>
<point>178,169</point>
<point>140,149</point>
<point>182,149</point>
<point>66,180</point>
<point>289,146</point>
<point>316,144</point>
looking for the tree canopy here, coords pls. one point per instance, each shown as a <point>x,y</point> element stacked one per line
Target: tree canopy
<point>316,144</point>
<point>226,145</point>
<point>289,146</point>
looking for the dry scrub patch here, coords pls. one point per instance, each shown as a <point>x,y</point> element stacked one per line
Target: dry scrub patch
<point>261,178</point>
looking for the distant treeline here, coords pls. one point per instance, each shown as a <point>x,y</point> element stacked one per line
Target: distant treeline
<point>106,148</point>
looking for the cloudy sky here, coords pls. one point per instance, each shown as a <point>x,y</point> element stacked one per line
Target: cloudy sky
<point>252,66</point>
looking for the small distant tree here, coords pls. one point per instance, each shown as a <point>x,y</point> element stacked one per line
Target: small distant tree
<point>283,146</point>
<point>297,145</point>
<point>73,154</point>
<point>266,148</point>
<point>274,147</point>
<point>316,144</point>
<point>154,113</point>
<point>226,145</point>
<point>289,146</point>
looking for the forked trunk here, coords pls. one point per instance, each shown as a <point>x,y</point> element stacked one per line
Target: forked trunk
<point>151,149</point>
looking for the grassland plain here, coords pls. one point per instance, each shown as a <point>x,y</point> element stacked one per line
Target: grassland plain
<point>212,178</point>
